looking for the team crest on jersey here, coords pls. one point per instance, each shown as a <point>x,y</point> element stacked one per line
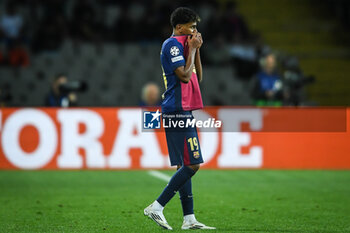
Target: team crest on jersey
<point>174,51</point>
<point>196,154</point>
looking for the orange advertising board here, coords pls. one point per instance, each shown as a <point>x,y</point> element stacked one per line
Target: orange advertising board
<point>114,138</point>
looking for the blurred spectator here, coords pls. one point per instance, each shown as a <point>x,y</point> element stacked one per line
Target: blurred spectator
<point>11,23</point>
<point>57,96</point>
<point>17,54</point>
<point>11,28</point>
<point>150,95</point>
<point>268,87</point>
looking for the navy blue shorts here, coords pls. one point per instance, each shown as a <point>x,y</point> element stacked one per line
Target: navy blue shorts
<point>183,142</point>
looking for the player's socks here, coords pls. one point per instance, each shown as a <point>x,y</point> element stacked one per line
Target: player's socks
<point>176,182</point>
<point>190,218</point>
<point>157,206</point>
<point>186,198</point>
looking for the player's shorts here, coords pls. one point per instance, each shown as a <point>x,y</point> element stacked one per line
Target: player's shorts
<point>183,142</point>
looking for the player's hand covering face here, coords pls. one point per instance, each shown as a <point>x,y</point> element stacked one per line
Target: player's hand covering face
<point>195,41</point>
<point>198,35</point>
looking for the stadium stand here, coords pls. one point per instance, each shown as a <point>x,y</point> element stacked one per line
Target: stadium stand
<point>115,67</point>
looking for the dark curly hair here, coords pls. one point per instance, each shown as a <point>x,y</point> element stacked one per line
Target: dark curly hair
<point>183,15</point>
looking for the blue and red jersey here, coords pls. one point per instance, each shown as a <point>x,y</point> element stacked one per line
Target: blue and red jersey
<point>178,96</point>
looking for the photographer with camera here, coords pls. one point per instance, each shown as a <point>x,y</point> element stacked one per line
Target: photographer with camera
<point>62,92</point>
<point>268,84</point>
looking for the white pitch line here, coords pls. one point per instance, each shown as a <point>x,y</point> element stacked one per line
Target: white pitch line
<point>159,175</point>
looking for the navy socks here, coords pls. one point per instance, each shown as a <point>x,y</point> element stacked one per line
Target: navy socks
<point>186,198</point>
<point>178,180</point>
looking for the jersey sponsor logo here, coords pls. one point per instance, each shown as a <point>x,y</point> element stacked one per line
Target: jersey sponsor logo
<point>174,51</point>
<point>178,58</point>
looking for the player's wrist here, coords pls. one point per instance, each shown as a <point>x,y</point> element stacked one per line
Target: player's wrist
<point>192,49</point>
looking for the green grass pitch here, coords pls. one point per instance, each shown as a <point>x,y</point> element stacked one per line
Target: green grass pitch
<point>232,201</point>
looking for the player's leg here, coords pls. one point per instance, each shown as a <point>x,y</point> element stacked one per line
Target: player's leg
<point>155,210</point>
<point>190,221</point>
<point>176,182</point>
<point>179,153</point>
<point>192,147</point>
<point>183,149</point>
<point>175,141</point>
<point>195,158</point>
<point>186,197</point>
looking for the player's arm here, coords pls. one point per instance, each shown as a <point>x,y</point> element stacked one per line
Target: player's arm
<point>197,60</point>
<point>198,65</point>
<point>184,73</point>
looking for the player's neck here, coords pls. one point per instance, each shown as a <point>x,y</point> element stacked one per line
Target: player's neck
<point>176,33</point>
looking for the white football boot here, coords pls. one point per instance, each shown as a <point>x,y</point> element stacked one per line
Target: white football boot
<point>190,222</point>
<point>156,214</point>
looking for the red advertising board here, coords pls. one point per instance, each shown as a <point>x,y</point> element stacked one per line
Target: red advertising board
<point>113,138</point>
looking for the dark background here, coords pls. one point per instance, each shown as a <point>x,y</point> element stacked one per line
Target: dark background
<point>113,46</point>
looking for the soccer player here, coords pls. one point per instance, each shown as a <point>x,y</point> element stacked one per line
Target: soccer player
<point>182,72</point>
